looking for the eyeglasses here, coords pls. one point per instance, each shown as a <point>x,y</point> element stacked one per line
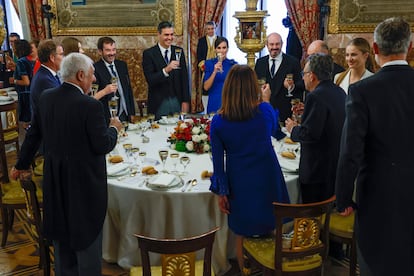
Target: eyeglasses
<point>305,72</point>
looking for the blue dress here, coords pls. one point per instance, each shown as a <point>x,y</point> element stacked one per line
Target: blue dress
<point>214,93</point>
<point>249,174</point>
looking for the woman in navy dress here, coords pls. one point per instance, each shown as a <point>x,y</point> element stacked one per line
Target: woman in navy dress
<point>247,175</point>
<point>216,70</point>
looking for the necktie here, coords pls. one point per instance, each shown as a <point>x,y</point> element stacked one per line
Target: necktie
<point>57,79</point>
<point>112,70</point>
<point>272,69</point>
<point>166,56</point>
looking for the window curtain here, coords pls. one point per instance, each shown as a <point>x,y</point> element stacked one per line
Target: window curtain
<point>201,11</point>
<point>305,19</point>
<point>35,18</point>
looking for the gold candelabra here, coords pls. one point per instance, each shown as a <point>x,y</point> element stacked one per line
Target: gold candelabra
<point>251,32</point>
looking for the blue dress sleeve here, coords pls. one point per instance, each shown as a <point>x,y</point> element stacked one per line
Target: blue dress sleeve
<point>272,117</point>
<point>219,182</point>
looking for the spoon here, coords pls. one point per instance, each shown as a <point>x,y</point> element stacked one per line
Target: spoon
<point>193,183</point>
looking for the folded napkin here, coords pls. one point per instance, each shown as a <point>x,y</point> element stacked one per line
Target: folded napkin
<point>162,180</point>
<point>117,168</point>
<point>5,98</point>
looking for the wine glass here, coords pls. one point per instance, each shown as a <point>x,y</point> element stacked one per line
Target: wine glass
<point>127,149</point>
<point>184,160</point>
<point>220,59</point>
<point>113,106</point>
<point>94,89</point>
<point>142,155</point>
<point>135,155</point>
<point>178,56</point>
<point>174,158</point>
<point>163,153</point>
<point>290,78</point>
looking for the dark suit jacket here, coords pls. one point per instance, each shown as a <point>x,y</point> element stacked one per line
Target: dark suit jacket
<point>76,139</point>
<point>278,98</point>
<point>320,134</point>
<point>41,81</point>
<point>103,78</point>
<point>202,49</point>
<point>377,150</point>
<point>160,86</point>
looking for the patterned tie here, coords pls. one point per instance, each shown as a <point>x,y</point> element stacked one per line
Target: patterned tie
<point>166,56</point>
<point>111,66</point>
<point>272,69</point>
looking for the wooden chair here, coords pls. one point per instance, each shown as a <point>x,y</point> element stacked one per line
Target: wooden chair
<point>34,219</point>
<point>305,252</point>
<point>9,134</point>
<point>341,229</point>
<point>178,254</point>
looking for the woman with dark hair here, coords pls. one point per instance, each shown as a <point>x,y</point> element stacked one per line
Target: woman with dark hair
<point>216,70</point>
<point>22,78</point>
<point>247,175</point>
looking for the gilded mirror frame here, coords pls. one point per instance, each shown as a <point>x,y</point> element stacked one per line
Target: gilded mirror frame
<point>67,14</point>
<point>362,16</point>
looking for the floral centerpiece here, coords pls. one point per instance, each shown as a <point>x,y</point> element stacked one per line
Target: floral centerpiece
<point>191,135</point>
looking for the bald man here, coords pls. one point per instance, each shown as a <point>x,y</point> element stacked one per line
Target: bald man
<point>320,46</point>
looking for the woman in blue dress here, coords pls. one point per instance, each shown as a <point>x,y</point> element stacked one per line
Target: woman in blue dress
<point>216,70</point>
<point>247,175</point>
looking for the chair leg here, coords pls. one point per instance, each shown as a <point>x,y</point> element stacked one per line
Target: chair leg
<point>353,258</point>
<point>5,216</point>
<point>11,219</point>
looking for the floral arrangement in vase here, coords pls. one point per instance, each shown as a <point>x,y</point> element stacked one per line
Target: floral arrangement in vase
<point>191,135</point>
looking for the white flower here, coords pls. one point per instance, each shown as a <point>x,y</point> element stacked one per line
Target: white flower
<point>206,147</point>
<point>196,130</point>
<point>183,125</point>
<point>196,138</point>
<point>189,146</point>
<point>203,136</point>
<point>190,121</point>
<point>173,146</point>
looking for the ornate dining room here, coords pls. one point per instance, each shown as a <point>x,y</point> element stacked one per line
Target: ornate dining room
<point>159,174</point>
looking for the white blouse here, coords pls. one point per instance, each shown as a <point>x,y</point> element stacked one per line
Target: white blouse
<point>345,82</point>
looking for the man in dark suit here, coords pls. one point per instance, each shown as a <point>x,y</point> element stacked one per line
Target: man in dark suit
<point>76,139</point>
<point>273,68</point>
<point>50,56</point>
<point>166,76</point>
<point>109,67</point>
<point>320,46</point>
<point>377,152</point>
<point>205,50</point>
<point>320,131</point>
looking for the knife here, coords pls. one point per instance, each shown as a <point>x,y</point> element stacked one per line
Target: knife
<point>186,185</point>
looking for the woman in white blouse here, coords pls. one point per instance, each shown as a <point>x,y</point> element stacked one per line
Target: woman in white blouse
<point>360,63</point>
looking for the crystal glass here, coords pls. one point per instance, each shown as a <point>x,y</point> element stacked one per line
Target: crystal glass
<point>142,155</point>
<point>174,158</point>
<point>94,89</point>
<point>178,56</point>
<point>163,153</point>
<point>113,106</point>
<point>289,77</point>
<point>135,155</point>
<point>127,149</point>
<point>184,160</point>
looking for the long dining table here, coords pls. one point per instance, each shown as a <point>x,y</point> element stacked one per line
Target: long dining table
<point>136,207</point>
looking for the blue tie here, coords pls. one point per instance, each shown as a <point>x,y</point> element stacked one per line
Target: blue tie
<point>166,56</point>
<point>112,70</point>
<point>57,79</point>
<point>272,69</point>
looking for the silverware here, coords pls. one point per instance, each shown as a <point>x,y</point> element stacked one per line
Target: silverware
<point>193,183</point>
<point>186,185</point>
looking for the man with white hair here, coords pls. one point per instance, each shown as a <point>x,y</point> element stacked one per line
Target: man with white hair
<point>76,138</point>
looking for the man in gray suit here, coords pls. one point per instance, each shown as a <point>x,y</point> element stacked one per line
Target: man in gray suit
<point>377,152</point>
<point>76,138</point>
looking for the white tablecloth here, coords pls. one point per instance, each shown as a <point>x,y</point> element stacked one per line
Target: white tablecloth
<point>134,208</point>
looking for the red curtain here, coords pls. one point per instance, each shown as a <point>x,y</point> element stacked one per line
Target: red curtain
<point>201,11</point>
<point>34,16</point>
<point>305,19</point>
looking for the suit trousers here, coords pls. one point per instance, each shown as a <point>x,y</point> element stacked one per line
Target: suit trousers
<point>168,106</point>
<point>86,262</point>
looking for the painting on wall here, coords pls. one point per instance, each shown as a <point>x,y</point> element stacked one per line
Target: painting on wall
<point>107,17</point>
<point>362,16</point>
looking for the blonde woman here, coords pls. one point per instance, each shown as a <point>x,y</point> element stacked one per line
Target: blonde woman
<point>360,63</point>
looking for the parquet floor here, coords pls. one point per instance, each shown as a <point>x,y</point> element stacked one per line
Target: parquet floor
<point>20,256</point>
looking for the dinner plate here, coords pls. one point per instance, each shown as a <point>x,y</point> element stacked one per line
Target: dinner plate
<point>6,99</point>
<point>117,169</point>
<point>288,165</point>
<point>7,89</point>
<point>157,183</point>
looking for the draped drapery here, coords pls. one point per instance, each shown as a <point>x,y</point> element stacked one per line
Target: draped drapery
<point>201,11</point>
<point>35,18</point>
<point>305,18</point>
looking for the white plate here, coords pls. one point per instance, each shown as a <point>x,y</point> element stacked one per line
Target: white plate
<point>7,89</point>
<point>288,165</point>
<point>6,98</point>
<point>168,121</point>
<point>117,169</point>
<point>156,182</point>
